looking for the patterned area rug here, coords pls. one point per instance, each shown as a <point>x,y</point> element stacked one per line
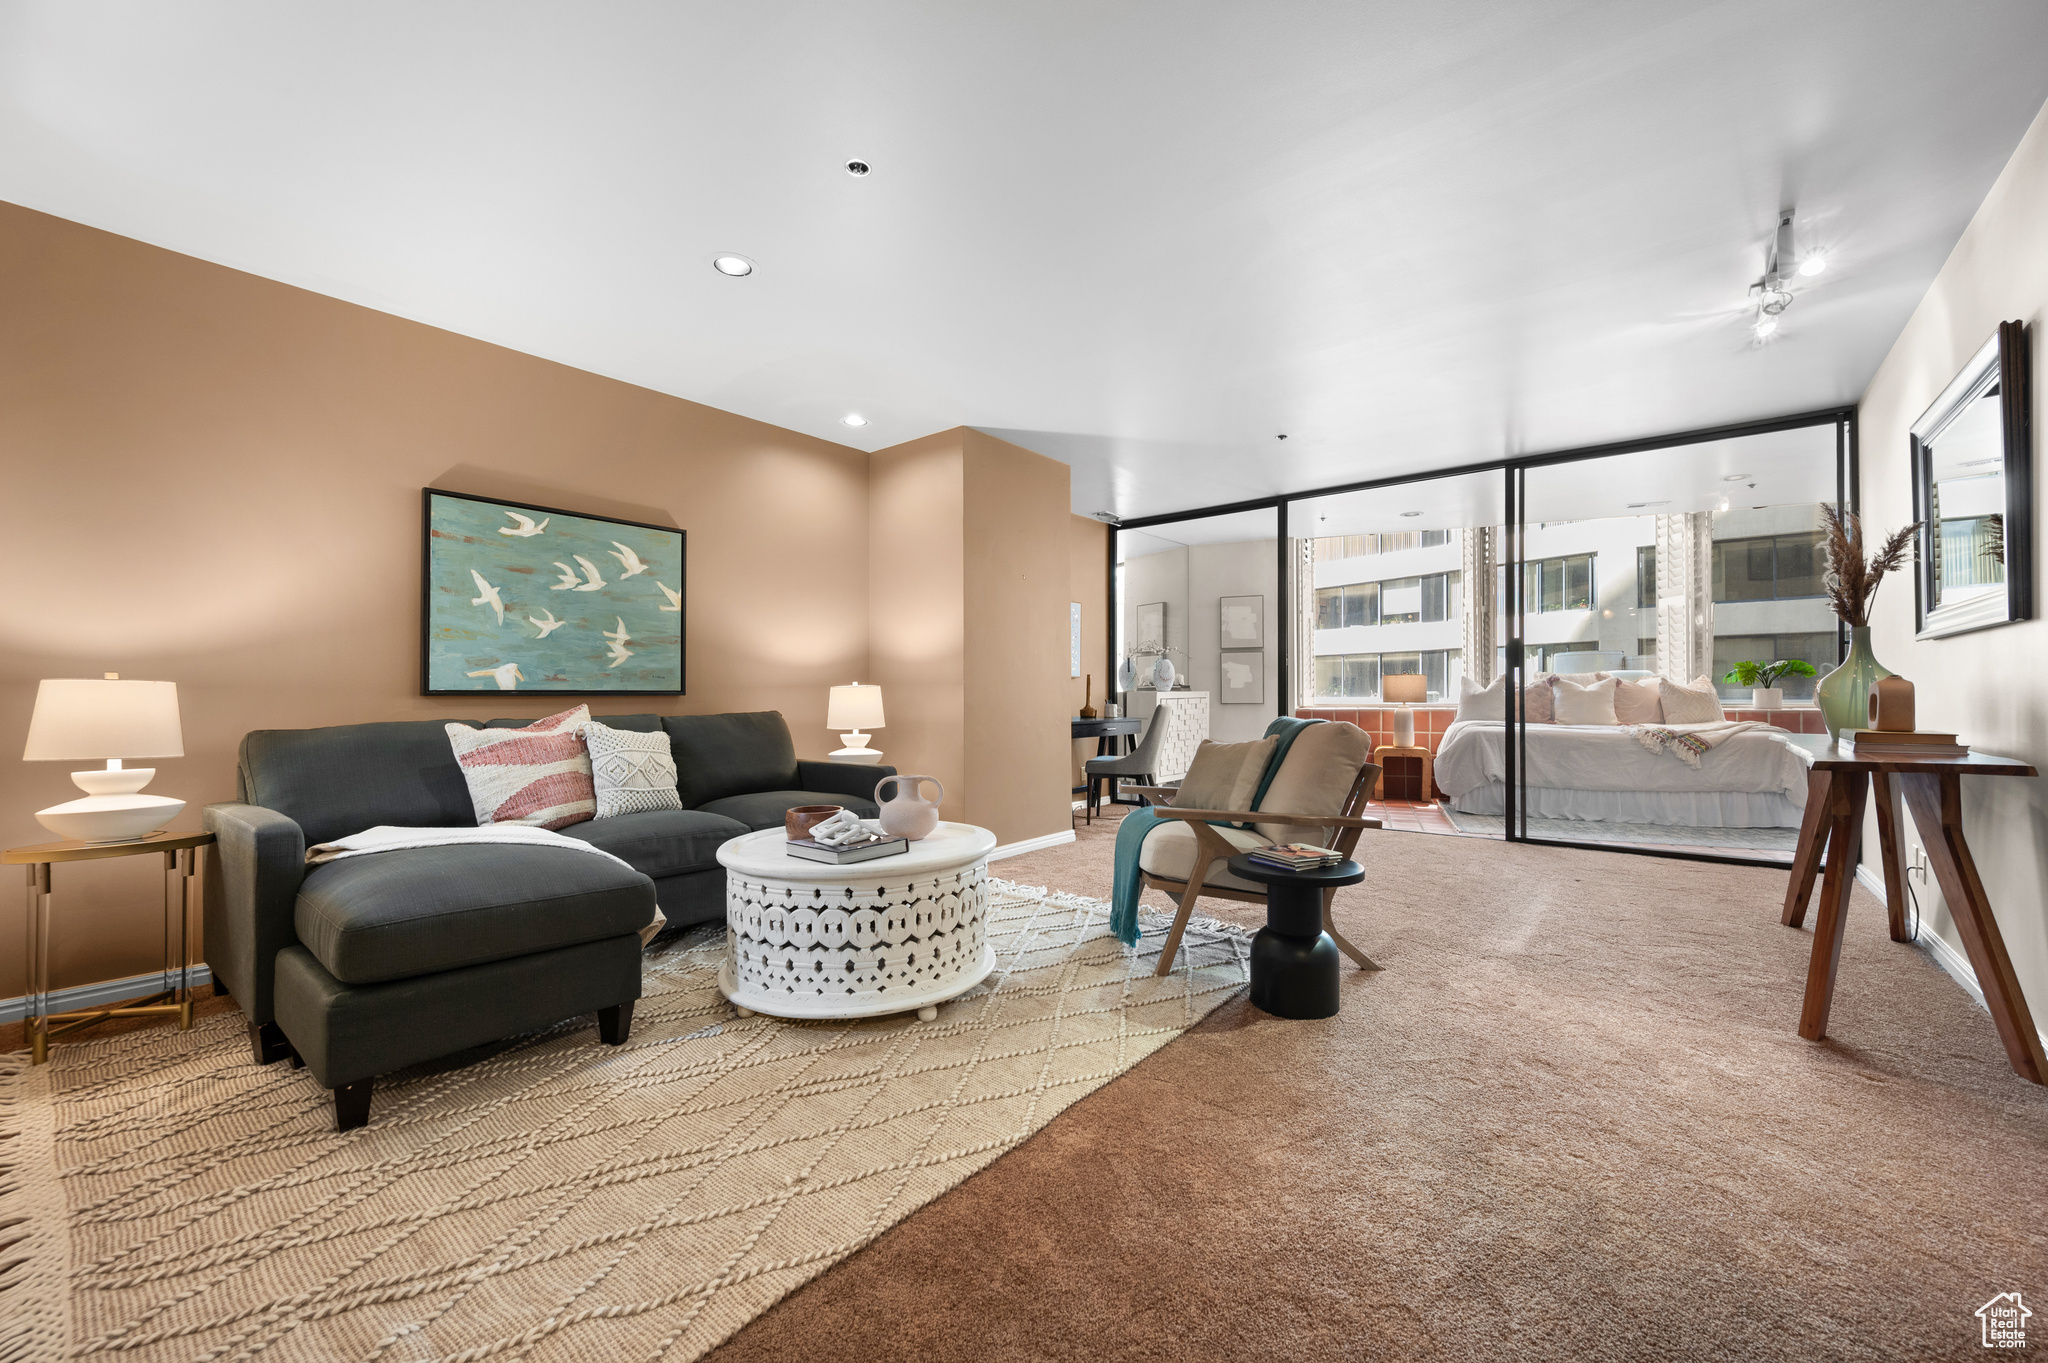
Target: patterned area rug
<point>549,1198</point>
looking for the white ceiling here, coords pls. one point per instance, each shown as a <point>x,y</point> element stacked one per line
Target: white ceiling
<point>1144,238</point>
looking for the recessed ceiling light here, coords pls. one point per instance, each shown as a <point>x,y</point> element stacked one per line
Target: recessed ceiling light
<point>736,266</point>
<point>1765,325</point>
<point>1637,506</point>
<point>1733,477</point>
<point>1813,265</point>
<point>853,419</point>
<point>1406,514</point>
<point>857,168</point>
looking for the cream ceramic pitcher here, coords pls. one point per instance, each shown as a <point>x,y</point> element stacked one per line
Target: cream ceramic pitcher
<point>905,815</point>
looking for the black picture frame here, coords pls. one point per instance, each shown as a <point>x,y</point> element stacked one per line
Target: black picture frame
<point>680,609</point>
<point>2002,361</point>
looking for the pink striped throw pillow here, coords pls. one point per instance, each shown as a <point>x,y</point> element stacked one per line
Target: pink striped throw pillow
<point>538,775</point>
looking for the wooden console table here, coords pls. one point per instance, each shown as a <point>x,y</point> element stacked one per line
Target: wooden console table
<point>1932,787</point>
<point>181,859</point>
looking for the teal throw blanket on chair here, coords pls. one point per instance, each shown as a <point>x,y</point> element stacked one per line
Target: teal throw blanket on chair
<point>1130,836</point>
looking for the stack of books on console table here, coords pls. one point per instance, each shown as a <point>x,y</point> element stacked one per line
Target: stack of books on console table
<point>1296,856</point>
<point>1904,743</point>
<point>812,850</point>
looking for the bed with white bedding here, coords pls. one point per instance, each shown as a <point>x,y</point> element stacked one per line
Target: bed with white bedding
<point>1753,778</point>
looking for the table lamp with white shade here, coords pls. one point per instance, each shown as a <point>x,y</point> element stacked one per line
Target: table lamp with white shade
<point>854,708</point>
<point>1404,689</point>
<point>113,719</point>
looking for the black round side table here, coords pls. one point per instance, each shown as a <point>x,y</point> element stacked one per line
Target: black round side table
<point>1294,962</point>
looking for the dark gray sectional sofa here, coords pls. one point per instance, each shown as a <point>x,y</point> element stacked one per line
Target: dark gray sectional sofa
<point>363,966</point>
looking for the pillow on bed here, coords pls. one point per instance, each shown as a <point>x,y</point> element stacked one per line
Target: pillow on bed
<point>1637,702</point>
<point>1578,704</point>
<point>1536,706</point>
<point>1694,704</point>
<point>1578,678</point>
<point>1483,702</point>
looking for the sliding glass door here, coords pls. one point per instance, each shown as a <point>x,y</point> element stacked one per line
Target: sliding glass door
<point>1672,587</point>
<point>1199,634</point>
<point>1396,614</point>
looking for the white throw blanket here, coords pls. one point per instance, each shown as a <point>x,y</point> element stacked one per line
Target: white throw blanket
<point>390,838</point>
<point>1690,742</point>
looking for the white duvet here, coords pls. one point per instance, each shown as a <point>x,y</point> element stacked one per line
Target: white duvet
<point>1754,760</point>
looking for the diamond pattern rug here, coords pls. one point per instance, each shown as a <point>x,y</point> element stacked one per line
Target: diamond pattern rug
<point>548,1198</point>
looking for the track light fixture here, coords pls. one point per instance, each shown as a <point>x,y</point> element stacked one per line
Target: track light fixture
<point>1772,294</point>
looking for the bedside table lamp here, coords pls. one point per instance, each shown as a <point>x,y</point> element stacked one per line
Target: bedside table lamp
<point>113,719</point>
<point>1404,689</point>
<point>854,708</point>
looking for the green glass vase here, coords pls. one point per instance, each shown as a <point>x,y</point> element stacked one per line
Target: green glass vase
<point>1844,694</point>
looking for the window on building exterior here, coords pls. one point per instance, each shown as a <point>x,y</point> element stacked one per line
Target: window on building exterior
<point>1342,607</point>
<point>1818,648</point>
<point>1769,567</point>
<point>1332,547</point>
<point>1559,584</point>
<point>1356,676</point>
<point>1646,576</point>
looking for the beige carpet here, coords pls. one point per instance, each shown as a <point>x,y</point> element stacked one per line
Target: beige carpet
<point>550,1199</point>
<point>1571,1120</point>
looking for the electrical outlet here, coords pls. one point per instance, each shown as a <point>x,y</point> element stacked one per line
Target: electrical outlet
<point>1916,860</point>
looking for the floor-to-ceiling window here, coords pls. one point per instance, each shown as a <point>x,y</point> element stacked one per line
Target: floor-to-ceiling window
<point>1667,564</point>
<point>1665,569</point>
<point>1198,626</point>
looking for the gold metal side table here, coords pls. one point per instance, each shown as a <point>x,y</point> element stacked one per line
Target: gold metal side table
<point>181,861</point>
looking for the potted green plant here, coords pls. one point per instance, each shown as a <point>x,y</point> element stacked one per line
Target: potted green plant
<point>1763,679</point>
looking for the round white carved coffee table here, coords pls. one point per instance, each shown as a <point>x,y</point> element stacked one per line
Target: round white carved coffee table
<point>808,940</point>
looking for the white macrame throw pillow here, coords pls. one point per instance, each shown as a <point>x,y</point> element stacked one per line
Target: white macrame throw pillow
<point>537,775</point>
<point>634,772</point>
<point>1695,704</point>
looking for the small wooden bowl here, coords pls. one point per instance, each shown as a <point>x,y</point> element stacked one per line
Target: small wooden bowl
<point>799,822</point>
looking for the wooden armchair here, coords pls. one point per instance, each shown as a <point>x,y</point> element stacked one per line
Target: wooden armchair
<point>1211,848</point>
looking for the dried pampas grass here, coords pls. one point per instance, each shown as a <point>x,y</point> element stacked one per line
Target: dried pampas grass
<point>1852,580</point>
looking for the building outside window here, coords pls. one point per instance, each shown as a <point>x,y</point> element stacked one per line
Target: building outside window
<point>1646,581</point>
<point>1356,676</point>
<point>1817,648</point>
<point>1559,584</point>
<point>1769,568</point>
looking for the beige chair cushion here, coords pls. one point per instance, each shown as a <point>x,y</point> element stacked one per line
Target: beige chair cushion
<point>1225,775</point>
<point>1314,779</point>
<point>1169,851</point>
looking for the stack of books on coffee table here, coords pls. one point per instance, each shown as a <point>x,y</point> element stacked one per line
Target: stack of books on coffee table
<point>1906,743</point>
<point>1295,856</point>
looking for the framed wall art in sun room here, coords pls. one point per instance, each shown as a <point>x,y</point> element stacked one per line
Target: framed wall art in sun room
<point>534,598</point>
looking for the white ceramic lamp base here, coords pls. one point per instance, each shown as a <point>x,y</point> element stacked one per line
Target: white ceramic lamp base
<point>856,750</point>
<point>1404,728</point>
<point>114,808</point>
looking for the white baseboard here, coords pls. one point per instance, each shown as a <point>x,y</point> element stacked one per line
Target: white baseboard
<point>1018,849</point>
<point>81,997</point>
<point>1952,962</point>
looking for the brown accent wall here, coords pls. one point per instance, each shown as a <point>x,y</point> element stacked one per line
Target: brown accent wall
<point>213,478</point>
<point>968,589</point>
<point>1018,589</point>
<point>1088,578</point>
<point>917,618</point>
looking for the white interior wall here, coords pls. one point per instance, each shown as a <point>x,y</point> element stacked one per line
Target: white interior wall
<point>1989,686</point>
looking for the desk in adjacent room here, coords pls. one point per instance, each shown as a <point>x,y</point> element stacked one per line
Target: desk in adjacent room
<point>1109,734</point>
